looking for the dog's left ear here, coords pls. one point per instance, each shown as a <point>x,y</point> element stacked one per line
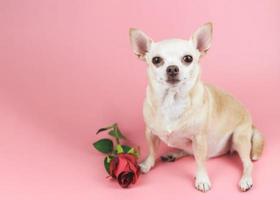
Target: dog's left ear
<point>140,42</point>
<point>202,38</point>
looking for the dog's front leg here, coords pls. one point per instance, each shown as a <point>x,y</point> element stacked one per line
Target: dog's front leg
<point>153,144</point>
<point>202,182</point>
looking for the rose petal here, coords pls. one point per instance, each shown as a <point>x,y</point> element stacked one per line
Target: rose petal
<point>113,165</point>
<point>125,179</point>
<point>122,166</point>
<point>125,163</point>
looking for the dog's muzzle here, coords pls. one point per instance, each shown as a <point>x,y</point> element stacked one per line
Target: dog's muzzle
<point>172,73</point>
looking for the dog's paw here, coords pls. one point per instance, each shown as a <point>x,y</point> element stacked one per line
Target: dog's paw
<point>145,168</point>
<point>146,165</point>
<point>168,158</point>
<point>246,183</point>
<point>202,183</point>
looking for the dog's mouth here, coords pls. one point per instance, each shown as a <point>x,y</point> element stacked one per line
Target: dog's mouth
<point>172,81</point>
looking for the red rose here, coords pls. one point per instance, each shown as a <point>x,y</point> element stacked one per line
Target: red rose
<point>124,168</point>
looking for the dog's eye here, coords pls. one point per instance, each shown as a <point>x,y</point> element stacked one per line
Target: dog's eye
<point>187,59</point>
<point>157,60</point>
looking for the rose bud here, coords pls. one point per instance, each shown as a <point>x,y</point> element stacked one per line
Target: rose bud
<point>124,168</point>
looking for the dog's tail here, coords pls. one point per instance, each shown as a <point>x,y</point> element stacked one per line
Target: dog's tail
<point>257,144</point>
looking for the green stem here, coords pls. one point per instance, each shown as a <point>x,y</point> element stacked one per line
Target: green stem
<point>118,140</point>
<point>115,126</point>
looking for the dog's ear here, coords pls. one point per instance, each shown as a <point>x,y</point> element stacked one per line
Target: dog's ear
<point>202,38</point>
<point>140,42</point>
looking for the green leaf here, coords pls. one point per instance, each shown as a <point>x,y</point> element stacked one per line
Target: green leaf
<point>132,151</point>
<point>126,148</point>
<point>119,149</point>
<point>116,133</point>
<point>105,128</point>
<point>107,161</point>
<point>104,145</point>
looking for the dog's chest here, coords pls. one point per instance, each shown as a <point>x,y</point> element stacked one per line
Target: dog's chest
<point>170,112</point>
<point>169,121</point>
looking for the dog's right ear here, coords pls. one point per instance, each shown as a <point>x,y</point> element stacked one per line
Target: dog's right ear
<point>140,42</point>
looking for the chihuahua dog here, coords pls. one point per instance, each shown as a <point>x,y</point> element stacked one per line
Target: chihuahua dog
<point>182,111</point>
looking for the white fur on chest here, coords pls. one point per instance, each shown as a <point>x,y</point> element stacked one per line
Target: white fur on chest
<point>170,111</point>
<point>167,121</point>
<point>174,120</point>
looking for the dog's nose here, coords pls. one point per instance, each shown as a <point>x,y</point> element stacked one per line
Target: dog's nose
<point>172,70</point>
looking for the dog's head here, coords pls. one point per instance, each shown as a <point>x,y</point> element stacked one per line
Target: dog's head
<point>172,62</point>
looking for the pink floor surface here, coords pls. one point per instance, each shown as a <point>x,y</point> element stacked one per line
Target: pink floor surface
<point>66,69</point>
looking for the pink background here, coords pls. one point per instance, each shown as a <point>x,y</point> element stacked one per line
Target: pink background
<point>66,69</point>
